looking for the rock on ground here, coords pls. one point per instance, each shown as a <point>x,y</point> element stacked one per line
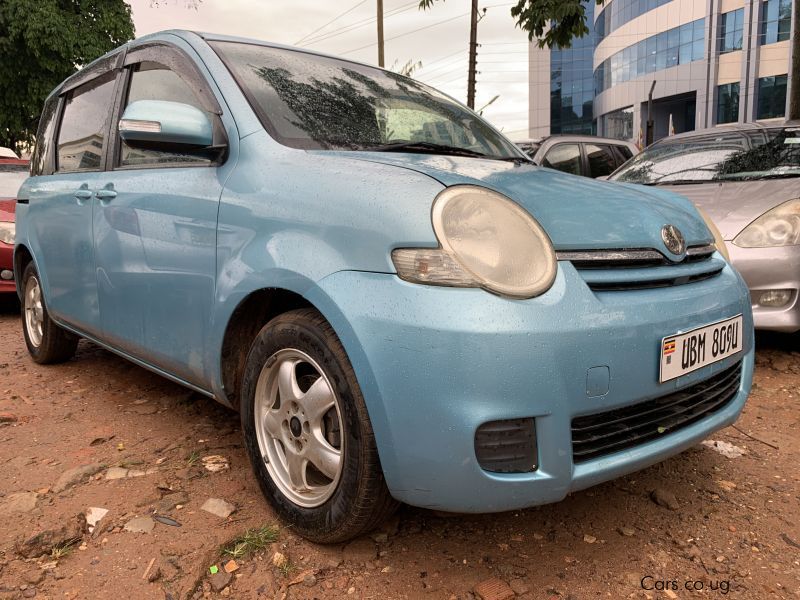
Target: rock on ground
<point>43,542</point>
<point>140,525</point>
<point>76,475</point>
<point>20,502</point>
<point>218,507</point>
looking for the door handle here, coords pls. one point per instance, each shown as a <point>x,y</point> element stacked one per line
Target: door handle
<point>83,194</point>
<point>105,196</point>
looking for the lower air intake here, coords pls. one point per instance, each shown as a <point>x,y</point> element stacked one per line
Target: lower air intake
<point>507,446</point>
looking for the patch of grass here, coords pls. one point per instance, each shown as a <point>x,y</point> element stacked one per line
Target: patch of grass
<point>250,541</point>
<point>192,459</point>
<point>62,550</point>
<point>286,568</point>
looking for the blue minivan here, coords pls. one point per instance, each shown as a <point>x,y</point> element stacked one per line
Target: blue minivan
<point>400,305</point>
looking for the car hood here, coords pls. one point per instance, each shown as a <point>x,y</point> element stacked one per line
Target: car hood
<point>733,205</point>
<point>576,212</point>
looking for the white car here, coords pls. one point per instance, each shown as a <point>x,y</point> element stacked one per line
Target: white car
<point>585,155</point>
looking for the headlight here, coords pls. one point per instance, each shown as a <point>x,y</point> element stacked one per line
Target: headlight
<point>7,231</point>
<point>778,227</point>
<point>719,241</point>
<point>487,241</point>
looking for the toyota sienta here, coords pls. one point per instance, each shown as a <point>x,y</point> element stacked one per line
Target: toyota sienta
<point>401,306</point>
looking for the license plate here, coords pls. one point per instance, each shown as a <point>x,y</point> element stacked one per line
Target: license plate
<point>686,352</point>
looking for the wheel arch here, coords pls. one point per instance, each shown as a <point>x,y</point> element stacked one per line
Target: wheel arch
<point>251,314</point>
<point>22,257</point>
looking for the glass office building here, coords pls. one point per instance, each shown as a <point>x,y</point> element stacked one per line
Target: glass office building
<point>713,62</point>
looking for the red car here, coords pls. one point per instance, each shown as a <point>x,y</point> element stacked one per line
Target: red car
<point>13,171</point>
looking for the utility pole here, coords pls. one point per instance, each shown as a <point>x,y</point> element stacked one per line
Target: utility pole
<point>648,138</point>
<point>473,54</point>
<point>380,33</point>
<point>794,86</point>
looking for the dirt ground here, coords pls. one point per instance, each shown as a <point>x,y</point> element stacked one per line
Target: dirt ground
<point>723,526</point>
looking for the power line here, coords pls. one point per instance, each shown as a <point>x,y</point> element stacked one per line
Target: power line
<point>348,11</point>
<point>357,24</point>
<point>407,33</point>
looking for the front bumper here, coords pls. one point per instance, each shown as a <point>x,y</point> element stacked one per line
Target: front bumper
<point>765,269</point>
<point>7,286</point>
<point>436,363</point>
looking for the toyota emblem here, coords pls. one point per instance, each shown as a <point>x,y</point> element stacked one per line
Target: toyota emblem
<point>673,239</point>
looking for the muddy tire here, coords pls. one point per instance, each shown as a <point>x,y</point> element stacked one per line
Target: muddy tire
<point>47,342</point>
<point>307,431</point>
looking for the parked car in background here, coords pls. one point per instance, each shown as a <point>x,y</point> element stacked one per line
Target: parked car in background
<point>400,305</point>
<point>7,153</point>
<point>13,172</point>
<point>584,155</point>
<point>746,178</point>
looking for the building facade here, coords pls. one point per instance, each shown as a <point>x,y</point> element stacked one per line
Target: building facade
<point>712,61</point>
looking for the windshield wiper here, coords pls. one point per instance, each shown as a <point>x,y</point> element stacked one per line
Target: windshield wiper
<point>683,182</point>
<point>428,148</point>
<point>759,177</point>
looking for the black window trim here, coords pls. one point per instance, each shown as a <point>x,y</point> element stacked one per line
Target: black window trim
<point>68,91</point>
<point>174,58</point>
<point>49,166</point>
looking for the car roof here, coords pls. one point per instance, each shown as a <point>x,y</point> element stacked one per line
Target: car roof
<point>191,36</point>
<point>585,138</point>
<point>731,128</point>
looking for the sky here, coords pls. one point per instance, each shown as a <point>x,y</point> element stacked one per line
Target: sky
<point>438,37</point>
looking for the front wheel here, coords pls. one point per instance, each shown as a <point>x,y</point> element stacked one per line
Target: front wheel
<point>307,431</point>
<point>47,342</point>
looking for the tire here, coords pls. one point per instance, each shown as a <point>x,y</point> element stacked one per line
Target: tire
<point>301,404</point>
<point>47,342</point>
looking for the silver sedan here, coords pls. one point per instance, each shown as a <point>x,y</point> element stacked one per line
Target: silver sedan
<point>746,178</point>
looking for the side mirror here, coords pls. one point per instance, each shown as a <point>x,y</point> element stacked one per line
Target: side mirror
<point>163,125</point>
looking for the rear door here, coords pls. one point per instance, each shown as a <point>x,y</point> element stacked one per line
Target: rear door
<point>155,228</point>
<point>61,200</point>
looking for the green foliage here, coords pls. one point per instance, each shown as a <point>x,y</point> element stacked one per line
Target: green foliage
<point>250,541</point>
<point>551,22</point>
<point>42,42</point>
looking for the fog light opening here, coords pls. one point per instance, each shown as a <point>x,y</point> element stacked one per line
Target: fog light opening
<point>6,275</point>
<point>507,446</point>
<point>775,298</point>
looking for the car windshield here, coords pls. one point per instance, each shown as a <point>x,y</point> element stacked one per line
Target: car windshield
<point>11,179</point>
<point>729,156</point>
<point>315,102</point>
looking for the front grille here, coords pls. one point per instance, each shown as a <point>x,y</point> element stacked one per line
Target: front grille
<point>642,268</point>
<point>619,286</point>
<point>631,257</point>
<point>604,433</point>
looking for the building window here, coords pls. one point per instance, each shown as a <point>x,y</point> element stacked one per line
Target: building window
<point>731,31</point>
<point>571,84</point>
<point>776,21</point>
<point>619,124</point>
<point>676,46</point>
<point>728,103</point>
<point>772,97</point>
<point>619,12</point>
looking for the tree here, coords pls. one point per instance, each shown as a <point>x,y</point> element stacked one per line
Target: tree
<point>42,42</point>
<point>552,22</point>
